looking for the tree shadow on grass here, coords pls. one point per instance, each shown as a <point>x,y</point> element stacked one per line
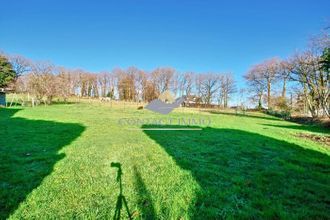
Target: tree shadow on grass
<point>145,200</point>
<point>247,115</point>
<point>303,128</point>
<point>28,151</point>
<point>248,175</point>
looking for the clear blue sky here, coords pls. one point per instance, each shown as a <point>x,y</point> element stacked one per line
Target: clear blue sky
<point>190,35</point>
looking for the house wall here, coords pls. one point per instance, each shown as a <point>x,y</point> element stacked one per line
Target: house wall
<point>2,99</point>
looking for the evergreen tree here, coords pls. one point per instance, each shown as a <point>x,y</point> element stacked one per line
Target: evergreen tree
<point>7,74</point>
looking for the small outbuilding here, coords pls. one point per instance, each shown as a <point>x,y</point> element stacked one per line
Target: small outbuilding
<point>2,97</point>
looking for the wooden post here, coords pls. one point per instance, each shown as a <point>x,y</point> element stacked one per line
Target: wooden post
<point>12,100</point>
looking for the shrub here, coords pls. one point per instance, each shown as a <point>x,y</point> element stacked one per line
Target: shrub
<point>285,114</point>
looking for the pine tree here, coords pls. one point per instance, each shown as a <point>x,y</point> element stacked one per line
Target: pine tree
<point>7,74</point>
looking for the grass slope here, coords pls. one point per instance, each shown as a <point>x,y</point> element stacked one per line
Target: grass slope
<point>56,161</point>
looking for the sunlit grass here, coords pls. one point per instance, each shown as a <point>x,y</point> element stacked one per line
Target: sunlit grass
<point>56,162</point>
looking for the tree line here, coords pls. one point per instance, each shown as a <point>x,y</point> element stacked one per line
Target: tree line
<point>306,71</point>
<point>44,81</point>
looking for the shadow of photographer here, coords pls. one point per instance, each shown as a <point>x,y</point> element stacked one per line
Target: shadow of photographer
<point>121,200</point>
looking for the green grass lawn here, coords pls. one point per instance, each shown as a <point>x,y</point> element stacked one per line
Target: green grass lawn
<point>55,161</point>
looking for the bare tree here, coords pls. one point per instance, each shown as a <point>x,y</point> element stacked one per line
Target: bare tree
<point>314,81</point>
<point>140,85</point>
<point>257,83</point>
<point>41,81</point>
<point>126,84</point>
<point>20,64</point>
<point>198,86</point>
<point>150,91</point>
<point>270,69</point>
<point>162,78</point>
<point>63,83</point>
<point>186,83</point>
<point>285,69</point>
<point>227,87</point>
<point>112,83</point>
<point>103,81</point>
<point>267,70</point>
<point>209,86</point>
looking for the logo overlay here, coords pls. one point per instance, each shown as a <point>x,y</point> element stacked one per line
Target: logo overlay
<point>164,105</point>
<point>161,107</point>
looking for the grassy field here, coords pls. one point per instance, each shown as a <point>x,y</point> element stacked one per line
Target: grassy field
<point>56,162</point>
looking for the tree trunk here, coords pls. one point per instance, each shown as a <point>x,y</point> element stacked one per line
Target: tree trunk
<point>268,94</point>
<point>226,101</point>
<point>260,102</point>
<point>284,89</point>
